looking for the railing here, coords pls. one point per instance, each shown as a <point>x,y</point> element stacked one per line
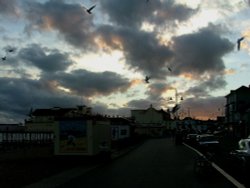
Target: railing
<point>10,137</point>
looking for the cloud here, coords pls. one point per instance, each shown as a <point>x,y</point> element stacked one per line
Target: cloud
<point>142,50</point>
<point>205,86</point>
<point>92,84</point>
<point>132,13</point>
<point>9,8</point>
<point>203,108</point>
<point>201,52</point>
<point>45,59</point>
<point>17,96</point>
<point>139,104</point>
<point>156,90</point>
<point>70,20</point>
<point>103,109</point>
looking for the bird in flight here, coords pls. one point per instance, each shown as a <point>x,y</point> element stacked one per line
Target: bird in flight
<point>169,69</point>
<point>4,58</point>
<point>10,50</point>
<point>90,9</point>
<point>147,79</point>
<point>239,41</point>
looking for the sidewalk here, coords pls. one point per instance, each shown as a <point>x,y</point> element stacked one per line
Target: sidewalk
<point>66,176</point>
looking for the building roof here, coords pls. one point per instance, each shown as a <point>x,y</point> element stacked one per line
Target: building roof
<point>151,108</point>
<point>239,90</point>
<point>119,121</point>
<point>51,112</point>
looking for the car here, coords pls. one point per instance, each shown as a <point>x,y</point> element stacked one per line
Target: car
<point>240,157</point>
<point>244,147</point>
<point>191,139</point>
<point>207,142</point>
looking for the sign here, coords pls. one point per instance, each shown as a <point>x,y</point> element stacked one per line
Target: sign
<point>73,136</point>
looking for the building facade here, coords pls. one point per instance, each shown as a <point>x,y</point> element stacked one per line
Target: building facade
<point>151,122</point>
<point>237,111</point>
<point>42,120</point>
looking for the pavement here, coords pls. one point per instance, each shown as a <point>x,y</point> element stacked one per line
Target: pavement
<point>63,177</point>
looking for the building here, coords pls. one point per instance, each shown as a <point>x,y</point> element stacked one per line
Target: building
<point>85,135</point>
<point>151,122</point>
<point>120,128</point>
<point>42,120</point>
<point>237,111</point>
<point>11,128</point>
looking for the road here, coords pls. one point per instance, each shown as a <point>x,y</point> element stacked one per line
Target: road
<point>157,163</point>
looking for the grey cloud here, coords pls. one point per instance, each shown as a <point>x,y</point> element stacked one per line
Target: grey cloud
<point>132,13</point>
<point>126,13</point>
<point>168,11</point>
<point>142,50</point>
<point>156,90</point>
<point>17,96</point>
<point>103,109</point>
<point>45,59</point>
<point>205,87</point>
<point>139,104</point>
<point>200,52</point>
<point>90,84</point>
<point>71,20</point>
<point>8,7</point>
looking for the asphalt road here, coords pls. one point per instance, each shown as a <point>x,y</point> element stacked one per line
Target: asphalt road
<point>155,164</point>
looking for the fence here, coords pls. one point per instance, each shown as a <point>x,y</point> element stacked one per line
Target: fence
<point>17,139</point>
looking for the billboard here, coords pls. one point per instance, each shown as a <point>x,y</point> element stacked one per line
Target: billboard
<point>73,136</point>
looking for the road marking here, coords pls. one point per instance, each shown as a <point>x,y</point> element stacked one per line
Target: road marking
<point>226,175</point>
<point>230,178</point>
<point>199,153</point>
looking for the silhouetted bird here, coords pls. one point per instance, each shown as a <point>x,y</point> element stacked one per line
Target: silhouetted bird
<point>4,58</point>
<point>11,50</point>
<point>147,79</point>
<point>239,41</point>
<point>90,9</point>
<point>169,69</point>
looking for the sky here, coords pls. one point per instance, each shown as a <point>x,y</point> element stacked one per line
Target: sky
<point>63,56</point>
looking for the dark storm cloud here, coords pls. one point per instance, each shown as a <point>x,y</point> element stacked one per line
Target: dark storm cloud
<point>8,7</point>
<point>156,90</point>
<point>139,104</point>
<point>200,52</point>
<point>17,96</point>
<point>45,59</point>
<point>89,84</point>
<point>132,13</point>
<point>204,88</point>
<point>142,50</point>
<point>71,20</point>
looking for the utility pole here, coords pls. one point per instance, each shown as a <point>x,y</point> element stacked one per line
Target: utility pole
<point>188,112</point>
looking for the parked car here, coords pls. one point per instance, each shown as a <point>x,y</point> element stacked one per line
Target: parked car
<point>240,158</point>
<point>244,147</point>
<point>207,142</point>
<point>191,139</point>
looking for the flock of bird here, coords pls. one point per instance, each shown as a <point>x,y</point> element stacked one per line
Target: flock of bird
<point>4,58</point>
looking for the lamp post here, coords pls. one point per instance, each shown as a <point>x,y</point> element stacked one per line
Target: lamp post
<point>177,98</point>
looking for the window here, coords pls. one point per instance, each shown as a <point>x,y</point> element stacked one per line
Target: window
<point>123,132</point>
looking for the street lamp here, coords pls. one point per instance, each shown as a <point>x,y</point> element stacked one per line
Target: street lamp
<point>176,97</point>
